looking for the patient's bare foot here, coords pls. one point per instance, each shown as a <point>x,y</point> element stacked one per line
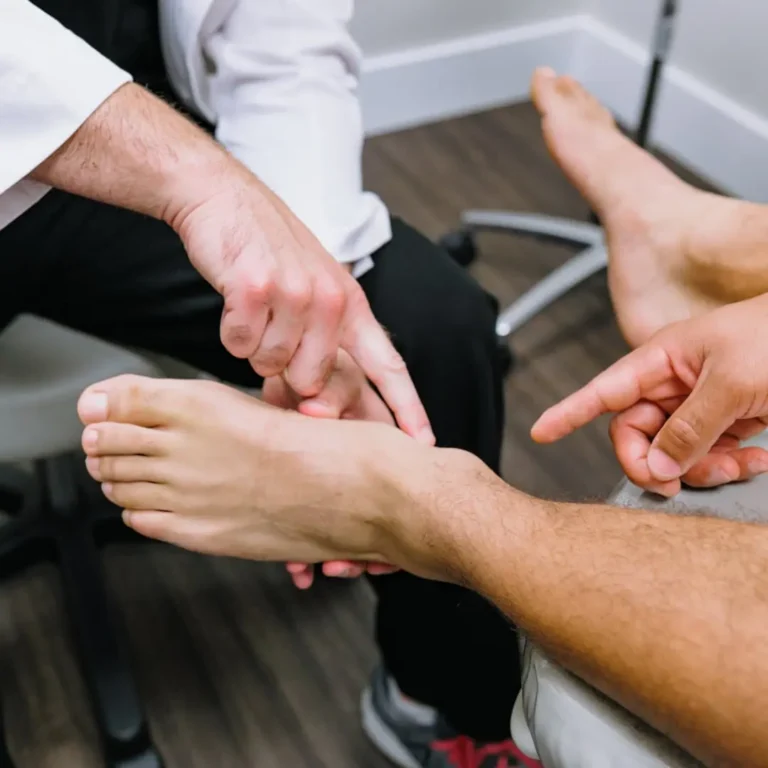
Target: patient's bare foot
<point>209,468</point>
<point>674,251</point>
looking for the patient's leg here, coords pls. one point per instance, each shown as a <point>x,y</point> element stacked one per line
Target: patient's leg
<point>675,251</point>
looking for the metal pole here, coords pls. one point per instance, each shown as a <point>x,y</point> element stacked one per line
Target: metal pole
<point>662,43</point>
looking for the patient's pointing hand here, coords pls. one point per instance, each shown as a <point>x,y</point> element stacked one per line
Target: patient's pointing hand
<point>685,400</point>
<point>347,395</point>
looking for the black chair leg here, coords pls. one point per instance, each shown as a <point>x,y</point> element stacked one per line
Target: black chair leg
<point>117,708</point>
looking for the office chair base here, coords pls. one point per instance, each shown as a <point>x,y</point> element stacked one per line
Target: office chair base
<point>55,524</point>
<point>587,236</point>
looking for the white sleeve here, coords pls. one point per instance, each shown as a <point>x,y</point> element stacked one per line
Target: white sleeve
<point>282,87</point>
<point>50,83</point>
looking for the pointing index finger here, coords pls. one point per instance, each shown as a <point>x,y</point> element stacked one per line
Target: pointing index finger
<point>369,345</point>
<point>619,387</point>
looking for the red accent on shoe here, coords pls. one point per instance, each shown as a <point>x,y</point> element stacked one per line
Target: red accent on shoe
<point>463,752</point>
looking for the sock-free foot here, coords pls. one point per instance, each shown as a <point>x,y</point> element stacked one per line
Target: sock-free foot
<point>674,251</point>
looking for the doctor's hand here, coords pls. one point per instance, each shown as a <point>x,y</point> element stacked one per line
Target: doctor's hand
<point>346,395</point>
<point>289,306</point>
<point>685,401</point>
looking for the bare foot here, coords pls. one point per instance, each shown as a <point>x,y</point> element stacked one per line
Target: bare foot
<point>674,251</point>
<point>209,468</point>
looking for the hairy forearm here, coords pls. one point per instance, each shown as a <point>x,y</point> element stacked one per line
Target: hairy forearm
<point>668,615</point>
<point>136,152</point>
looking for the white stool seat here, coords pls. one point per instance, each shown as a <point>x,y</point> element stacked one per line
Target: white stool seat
<point>43,370</point>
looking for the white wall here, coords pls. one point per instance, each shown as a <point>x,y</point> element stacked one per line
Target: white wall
<point>384,26</point>
<point>722,43</point>
<point>428,60</point>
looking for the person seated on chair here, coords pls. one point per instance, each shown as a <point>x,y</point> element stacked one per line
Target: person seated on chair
<point>154,237</point>
<point>667,615</point>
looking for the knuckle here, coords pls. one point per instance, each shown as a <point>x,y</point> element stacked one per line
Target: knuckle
<point>238,339</point>
<point>333,299</point>
<point>273,359</point>
<point>395,364</point>
<point>682,435</point>
<point>297,295</point>
<point>258,290</point>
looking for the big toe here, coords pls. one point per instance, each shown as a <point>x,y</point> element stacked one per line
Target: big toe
<point>128,399</point>
<point>560,96</point>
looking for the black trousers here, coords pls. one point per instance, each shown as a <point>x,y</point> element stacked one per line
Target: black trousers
<point>126,279</point>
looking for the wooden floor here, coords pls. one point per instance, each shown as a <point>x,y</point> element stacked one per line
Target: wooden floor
<point>237,668</point>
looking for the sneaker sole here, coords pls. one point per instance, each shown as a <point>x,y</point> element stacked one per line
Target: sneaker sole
<point>382,736</point>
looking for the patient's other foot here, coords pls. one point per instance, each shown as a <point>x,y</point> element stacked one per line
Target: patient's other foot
<point>674,251</point>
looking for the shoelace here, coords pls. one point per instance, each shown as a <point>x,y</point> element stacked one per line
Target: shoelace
<point>463,752</point>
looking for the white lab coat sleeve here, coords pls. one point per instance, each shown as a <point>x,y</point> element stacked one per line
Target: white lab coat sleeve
<point>51,81</point>
<point>283,85</point>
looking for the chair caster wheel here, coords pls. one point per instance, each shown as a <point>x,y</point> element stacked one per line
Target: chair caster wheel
<point>506,357</point>
<point>460,246</point>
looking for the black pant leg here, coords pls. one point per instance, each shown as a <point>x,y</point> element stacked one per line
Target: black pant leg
<point>444,645</point>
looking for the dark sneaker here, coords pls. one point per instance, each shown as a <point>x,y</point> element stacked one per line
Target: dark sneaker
<point>426,742</point>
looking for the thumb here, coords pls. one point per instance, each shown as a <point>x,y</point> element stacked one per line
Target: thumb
<point>691,431</point>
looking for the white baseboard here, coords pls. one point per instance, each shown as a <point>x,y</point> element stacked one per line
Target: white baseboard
<point>704,129</point>
<point>707,131</point>
<point>443,80</point>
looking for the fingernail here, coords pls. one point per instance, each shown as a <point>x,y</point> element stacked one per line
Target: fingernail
<point>662,466</point>
<point>547,72</point>
<point>93,406</point>
<point>93,465</point>
<point>127,517</point>
<point>719,476</point>
<point>757,467</point>
<point>90,438</point>
<point>106,489</point>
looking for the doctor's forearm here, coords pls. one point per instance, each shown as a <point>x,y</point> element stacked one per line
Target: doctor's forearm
<point>136,152</point>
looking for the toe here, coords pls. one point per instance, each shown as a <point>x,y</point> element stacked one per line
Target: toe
<point>117,439</point>
<point>543,88</point>
<point>129,399</point>
<point>139,495</point>
<point>126,469</point>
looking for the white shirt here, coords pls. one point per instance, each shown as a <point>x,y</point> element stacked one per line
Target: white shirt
<point>277,78</point>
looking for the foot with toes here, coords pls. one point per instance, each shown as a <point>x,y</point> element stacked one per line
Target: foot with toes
<point>674,251</point>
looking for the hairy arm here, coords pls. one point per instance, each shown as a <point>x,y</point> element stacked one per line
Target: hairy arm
<point>136,152</point>
<point>667,615</point>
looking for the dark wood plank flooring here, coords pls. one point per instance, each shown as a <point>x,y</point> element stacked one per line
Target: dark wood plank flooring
<point>237,668</point>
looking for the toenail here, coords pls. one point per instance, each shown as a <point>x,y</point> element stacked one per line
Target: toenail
<point>90,438</point>
<point>93,406</point>
<point>93,465</point>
